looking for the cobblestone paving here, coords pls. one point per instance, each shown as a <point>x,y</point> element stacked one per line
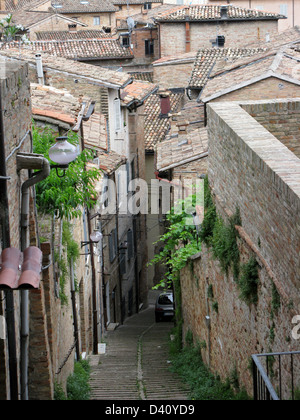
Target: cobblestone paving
<point>136,365</point>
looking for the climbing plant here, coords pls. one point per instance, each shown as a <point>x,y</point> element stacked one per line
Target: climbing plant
<point>180,242</point>
<point>65,196</point>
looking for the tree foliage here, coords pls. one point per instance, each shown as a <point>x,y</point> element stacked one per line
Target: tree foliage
<point>65,196</point>
<point>179,242</point>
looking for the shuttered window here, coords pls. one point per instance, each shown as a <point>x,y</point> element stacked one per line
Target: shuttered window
<point>117,113</point>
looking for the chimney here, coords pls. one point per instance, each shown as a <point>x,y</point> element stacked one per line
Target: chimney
<point>165,103</point>
<point>224,12</point>
<point>39,69</point>
<point>182,127</point>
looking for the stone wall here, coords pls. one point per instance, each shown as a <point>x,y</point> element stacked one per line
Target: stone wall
<point>249,169</point>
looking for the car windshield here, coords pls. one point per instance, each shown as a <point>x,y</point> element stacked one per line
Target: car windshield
<point>165,300</point>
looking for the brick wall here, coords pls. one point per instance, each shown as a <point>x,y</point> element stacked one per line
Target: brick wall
<point>248,168</point>
<point>16,113</point>
<point>173,75</point>
<point>138,38</point>
<point>237,34</point>
<point>271,88</point>
<point>281,118</point>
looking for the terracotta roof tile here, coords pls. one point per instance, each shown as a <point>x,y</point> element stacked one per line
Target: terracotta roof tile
<point>99,75</point>
<point>206,59</point>
<point>95,132</point>
<point>182,149</point>
<point>213,12</point>
<point>82,49</point>
<point>67,35</point>
<point>137,91</point>
<point>54,103</point>
<point>239,73</point>
<point>93,6</point>
<point>156,127</point>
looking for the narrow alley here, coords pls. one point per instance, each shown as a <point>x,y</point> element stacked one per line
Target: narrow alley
<point>135,365</point>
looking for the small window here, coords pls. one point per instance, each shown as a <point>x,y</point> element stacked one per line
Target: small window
<point>149,47</point>
<point>126,41</point>
<point>130,244</point>
<point>147,6</point>
<point>96,20</point>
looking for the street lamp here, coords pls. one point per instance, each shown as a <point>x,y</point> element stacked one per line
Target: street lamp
<point>62,153</point>
<point>95,238</point>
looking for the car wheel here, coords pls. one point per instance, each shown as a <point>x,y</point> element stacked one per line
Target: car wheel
<point>157,318</point>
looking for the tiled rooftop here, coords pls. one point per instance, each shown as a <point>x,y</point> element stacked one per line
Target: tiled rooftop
<point>93,6</point>
<point>99,75</point>
<point>57,104</point>
<point>22,4</point>
<point>95,133</point>
<point>156,127</point>
<point>67,35</point>
<point>78,49</point>
<point>206,59</point>
<point>111,161</point>
<point>146,76</point>
<point>213,12</point>
<point>181,149</point>
<point>230,76</point>
<point>137,91</point>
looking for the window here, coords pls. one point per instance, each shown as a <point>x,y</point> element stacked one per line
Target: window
<point>147,6</point>
<point>117,114</point>
<point>113,245</point>
<point>130,244</point>
<point>126,41</point>
<point>284,9</point>
<point>96,20</point>
<point>149,47</point>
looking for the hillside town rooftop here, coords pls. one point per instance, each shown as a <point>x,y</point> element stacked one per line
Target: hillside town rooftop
<point>95,74</point>
<point>204,13</point>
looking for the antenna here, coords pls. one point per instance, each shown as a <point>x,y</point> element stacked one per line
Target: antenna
<point>130,23</point>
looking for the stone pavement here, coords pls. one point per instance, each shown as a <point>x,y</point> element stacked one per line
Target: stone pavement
<point>136,365</point>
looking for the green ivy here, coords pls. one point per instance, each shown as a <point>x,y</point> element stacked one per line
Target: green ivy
<point>65,196</point>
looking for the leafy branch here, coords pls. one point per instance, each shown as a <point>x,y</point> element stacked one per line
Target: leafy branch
<point>65,196</point>
<point>180,242</point>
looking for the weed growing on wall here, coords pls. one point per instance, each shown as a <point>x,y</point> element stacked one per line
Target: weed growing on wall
<point>221,237</point>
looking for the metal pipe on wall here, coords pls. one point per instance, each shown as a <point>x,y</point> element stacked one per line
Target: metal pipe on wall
<point>27,161</point>
<point>9,296</point>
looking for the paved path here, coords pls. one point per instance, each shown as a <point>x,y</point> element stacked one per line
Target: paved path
<point>135,365</point>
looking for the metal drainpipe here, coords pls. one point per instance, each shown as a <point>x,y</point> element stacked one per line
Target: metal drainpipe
<point>27,161</point>
<point>10,305</point>
<point>94,286</point>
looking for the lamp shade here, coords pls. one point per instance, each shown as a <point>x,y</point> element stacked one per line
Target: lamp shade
<point>96,236</point>
<point>63,152</point>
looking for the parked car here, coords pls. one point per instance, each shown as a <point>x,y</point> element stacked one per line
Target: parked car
<point>164,307</point>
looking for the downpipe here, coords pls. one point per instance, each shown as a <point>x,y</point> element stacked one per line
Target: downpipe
<point>29,162</point>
